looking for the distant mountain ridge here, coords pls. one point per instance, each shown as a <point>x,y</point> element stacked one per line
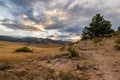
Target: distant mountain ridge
<point>32,40</point>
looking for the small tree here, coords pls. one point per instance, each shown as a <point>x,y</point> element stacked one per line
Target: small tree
<point>97,28</point>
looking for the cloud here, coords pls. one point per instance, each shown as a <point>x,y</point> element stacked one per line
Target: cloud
<point>5,29</point>
<point>3,4</point>
<point>74,29</point>
<point>28,26</point>
<point>1,17</point>
<point>64,16</point>
<point>68,37</point>
<point>54,37</point>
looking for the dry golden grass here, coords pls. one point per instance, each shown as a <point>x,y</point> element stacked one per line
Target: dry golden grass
<point>7,51</point>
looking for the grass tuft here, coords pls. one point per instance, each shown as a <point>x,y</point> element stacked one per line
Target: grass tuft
<point>97,40</point>
<point>117,46</point>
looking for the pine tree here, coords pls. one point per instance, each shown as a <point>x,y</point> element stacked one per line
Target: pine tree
<point>97,28</point>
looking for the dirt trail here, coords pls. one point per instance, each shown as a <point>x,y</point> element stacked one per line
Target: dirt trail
<point>105,60</point>
<point>105,65</point>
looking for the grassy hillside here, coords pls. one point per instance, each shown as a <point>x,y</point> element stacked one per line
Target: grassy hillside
<point>7,49</point>
<point>93,59</point>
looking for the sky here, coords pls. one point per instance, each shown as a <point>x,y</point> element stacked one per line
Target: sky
<point>54,19</point>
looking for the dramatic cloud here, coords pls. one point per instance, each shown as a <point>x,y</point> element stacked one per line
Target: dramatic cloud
<point>3,4</point>
<point>66,17</point>
<point>30,26</point>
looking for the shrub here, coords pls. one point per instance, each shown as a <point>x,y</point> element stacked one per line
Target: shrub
<point>108,35</point>
<point>117,41</point>
<point>66,76</point>
<point>73,53</point>
<point>62,48</point>
<point>50,71</point>
<point>117,47</point>
<point>97,40</point>
<point>71,44</point>
<point>23,49</point>
<point>118,28</point>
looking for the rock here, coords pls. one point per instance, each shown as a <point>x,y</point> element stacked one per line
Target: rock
<point>99,73</point>
<point>56,73</point>
<point>5,66</point>
<point>19,72</point>
<point>61,55</point>
<point>65,54</point>
<point>94,67</point>
<point>78,72</point>
<point>48,61</point>
<point>56,61</point>
<point>27,68</point>
<point>45,58</point>
<point>81,67</point>
<point>115,70</point>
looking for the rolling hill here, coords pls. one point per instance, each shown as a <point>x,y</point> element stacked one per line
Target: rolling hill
<point>32,40</point>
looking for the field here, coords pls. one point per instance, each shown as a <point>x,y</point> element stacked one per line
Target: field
<point>7,53</point>
<point>95,59</point>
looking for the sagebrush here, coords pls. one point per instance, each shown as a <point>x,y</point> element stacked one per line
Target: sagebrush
<point>23,49</point>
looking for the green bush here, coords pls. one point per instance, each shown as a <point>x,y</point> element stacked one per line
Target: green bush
<point>23,49</point>
<point>97,40</point>
<point>73,53</point>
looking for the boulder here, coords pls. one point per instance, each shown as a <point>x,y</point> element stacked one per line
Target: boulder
<point>5,66</point>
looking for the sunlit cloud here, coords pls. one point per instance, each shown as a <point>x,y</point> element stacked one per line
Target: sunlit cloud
<point>38,27</point>
<point>1,17</point>
<point>6,29</point>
